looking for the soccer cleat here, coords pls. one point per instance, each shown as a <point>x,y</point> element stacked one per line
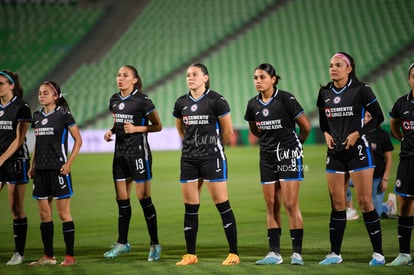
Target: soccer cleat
<point>117,249</point>
<point>15,259</point>
<point>351,214</point>
<point>377,259</point>
<point>392,198</point>
<point>332,258</point>
<point>45,260</point>
<point>271,258</point>
<point>296,259</point>
<point>187,260</point>
<point>69,260</point>
<point>154,253</point>
<point>231,259</point>
<point>402,259</point>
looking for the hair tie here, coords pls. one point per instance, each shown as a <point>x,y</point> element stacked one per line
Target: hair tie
<point>343,57</point>
<point>7,76</point>
<point>53,87</point>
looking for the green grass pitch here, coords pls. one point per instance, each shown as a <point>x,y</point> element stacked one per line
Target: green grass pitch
<point>95,214</point>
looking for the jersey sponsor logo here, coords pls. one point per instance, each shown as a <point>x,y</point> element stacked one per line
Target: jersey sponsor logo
<point>339,111</point>
<point>46,131</point>
<point>196,120</point>
<point>124,118</point>
<point>194,107</point>
<point>269,124</point>
<point>327,100</point>
<point>6,125</point>
<point>337,99</point>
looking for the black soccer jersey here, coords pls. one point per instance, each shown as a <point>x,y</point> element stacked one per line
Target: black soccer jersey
<point>51,131</point>
<point>202,129</point>
<point>380,143</point>
<point>275,120</point>
<point>403,110</point>
<point>17,110</point>
<point>134,109</point>
<point>341,112</point>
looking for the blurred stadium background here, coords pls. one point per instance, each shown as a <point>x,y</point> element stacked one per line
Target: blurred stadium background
<point>82,43</point>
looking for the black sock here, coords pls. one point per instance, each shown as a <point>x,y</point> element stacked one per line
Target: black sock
<point>124,217</point>
<point>336,230</point>
<point>373,225</point>
<point>47,230</point>
<point>68,229</point>
<point>191,227</point>
<point>229,224</point>
<point>405,227</point>
<point>273,236</point>
<point>297,236</point>
<point>20,232</point>
<point>150,218</point>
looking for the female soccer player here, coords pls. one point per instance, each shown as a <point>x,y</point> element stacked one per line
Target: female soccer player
<point>342,103</point>
<point>402,128</point>
<point>15,119</point>
<point>272,116</point>
<point>132,162</point>
<point>51,169</point>
<point>204,123</point>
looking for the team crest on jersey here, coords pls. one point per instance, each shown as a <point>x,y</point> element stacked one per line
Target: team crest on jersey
<point>121,106</point>
<point>1,113</point>
<point>44,121</point>
<point>265,112</point>
<point>194,108</point>
<point>337,99</point>
<point>408,125</point>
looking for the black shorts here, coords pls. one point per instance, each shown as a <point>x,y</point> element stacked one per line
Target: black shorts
<point>274,168</point>
<point>206,169</point>
<point>404,185</point>
<point>15,171</point>
<point>51,183</point>
<point>357,157</point>
<point>132,168</point>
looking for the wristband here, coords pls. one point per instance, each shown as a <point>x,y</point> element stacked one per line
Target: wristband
<point>385,179</point>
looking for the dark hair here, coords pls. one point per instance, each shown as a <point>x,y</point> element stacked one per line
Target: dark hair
<point>61,101</point>
<point>352,75</point>
<point>138,85</point>
<point>270,70</point>
<point>13,78</point>
<point>204,70</point>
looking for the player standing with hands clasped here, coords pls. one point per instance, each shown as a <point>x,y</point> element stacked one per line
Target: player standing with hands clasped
<point>203,121</point>
<point>272,116</point>
<point>15,118</point>
<point>402,128</point>
<point>342,103</point>
<point>134,117</point>
<point>51,169</point>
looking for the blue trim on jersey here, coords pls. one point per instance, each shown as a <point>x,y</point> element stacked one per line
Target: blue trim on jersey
<point>402,194</point>
<point>374,100</point>
<point>343,88</point>
<point>62,141</point>
<point>300,113</point>
<point>222,115</point>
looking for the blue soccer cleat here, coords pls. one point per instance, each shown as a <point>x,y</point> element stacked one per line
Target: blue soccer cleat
<point>154,253</point>
<point>271,258</point>
<point>332,258</point>
<point>117,249</point>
